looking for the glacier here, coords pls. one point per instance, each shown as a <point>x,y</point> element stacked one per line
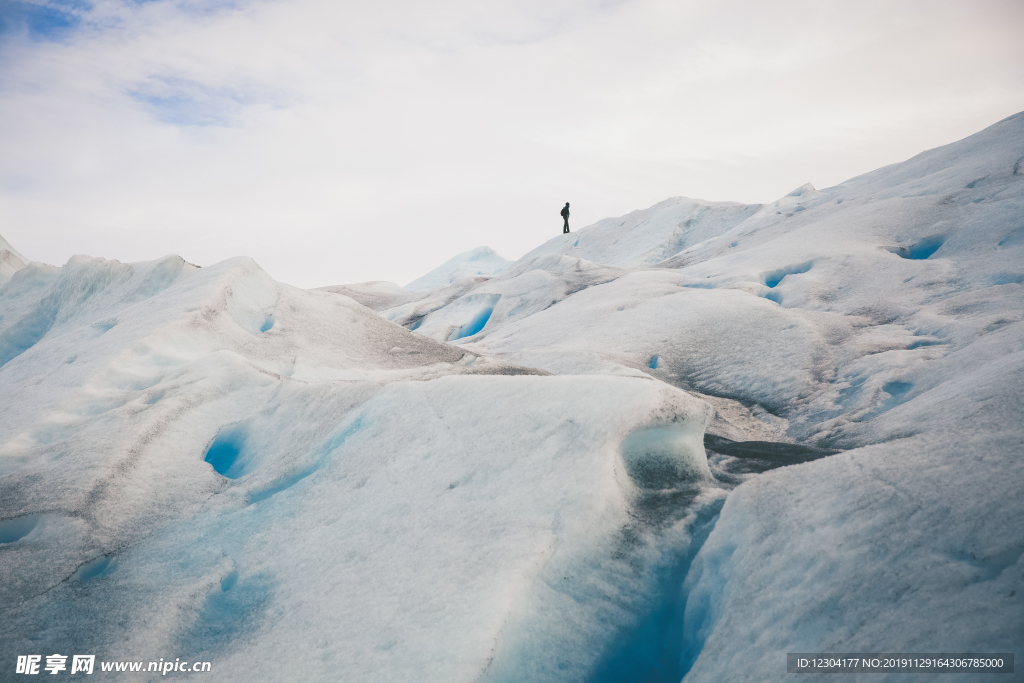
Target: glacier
<point>673,445</point>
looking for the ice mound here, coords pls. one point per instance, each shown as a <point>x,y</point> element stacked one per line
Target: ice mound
<point>482,261</point>
<point>646,237</point>
<point>527,288</point>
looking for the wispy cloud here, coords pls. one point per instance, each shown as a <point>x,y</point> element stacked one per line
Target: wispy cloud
<point>185,102</point>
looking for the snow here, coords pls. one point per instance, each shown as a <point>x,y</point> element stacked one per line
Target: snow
<point>10,261</point>
<point>480,261</point>
<point>670,446</point>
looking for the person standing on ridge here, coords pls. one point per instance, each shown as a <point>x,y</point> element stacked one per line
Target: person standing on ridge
<point>565,215</point>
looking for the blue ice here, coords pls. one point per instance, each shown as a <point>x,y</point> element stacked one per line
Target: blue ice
<point>897,394</point>
<point>224,451</point>
<point>98,568</point>
<point>12,530</point>
<point>920,251</point>
<point>773,278</point>
<point>479,319</point>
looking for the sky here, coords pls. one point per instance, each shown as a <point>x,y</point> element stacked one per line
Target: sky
<point>339,141</point>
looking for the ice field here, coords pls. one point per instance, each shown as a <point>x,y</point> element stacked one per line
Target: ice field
<point>672,445</point>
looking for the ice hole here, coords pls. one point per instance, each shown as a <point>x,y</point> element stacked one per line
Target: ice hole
<point>926,247</point>
<point>897,394</point>
<point>897,389</point>
<point>98,568</point>
<point>773,278</point>
<point>223,454</point>
<point>655,362</point>
<point>476,324</point>
<point>268,322</point>
<point>920,251</point>
<point>665,457</point>
<point>229,581</point>
<point>12,530</point>
<point>480,316</point>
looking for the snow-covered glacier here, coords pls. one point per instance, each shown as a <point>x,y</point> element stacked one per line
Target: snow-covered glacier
<point>674,445</point>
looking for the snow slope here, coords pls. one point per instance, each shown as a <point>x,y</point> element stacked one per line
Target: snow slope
<point>535,475</point>
<point>480,261</point>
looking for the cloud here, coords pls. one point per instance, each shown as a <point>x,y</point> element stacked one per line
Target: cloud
<point>341,141</point>
<point>185,102</point>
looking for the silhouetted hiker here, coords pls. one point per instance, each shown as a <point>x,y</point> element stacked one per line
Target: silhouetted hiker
<point>565,215</point>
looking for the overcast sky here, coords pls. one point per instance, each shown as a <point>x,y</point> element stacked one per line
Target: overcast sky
<point>339,141</point>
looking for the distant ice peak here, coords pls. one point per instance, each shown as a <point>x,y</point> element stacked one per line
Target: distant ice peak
<point>10,261</point>
<point>805,189</point>
<point>479,261</point>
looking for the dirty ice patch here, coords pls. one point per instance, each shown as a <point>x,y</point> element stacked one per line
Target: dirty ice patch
<point>665,457</point>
